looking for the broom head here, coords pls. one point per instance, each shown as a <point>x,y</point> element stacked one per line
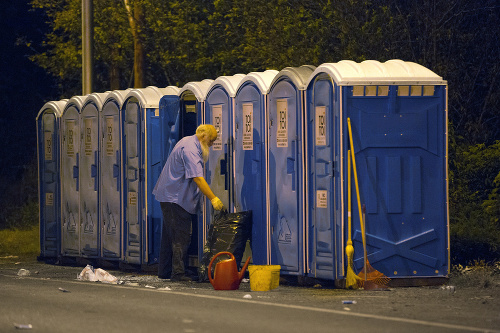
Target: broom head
<point>374,278</point>
<point>351,279</point>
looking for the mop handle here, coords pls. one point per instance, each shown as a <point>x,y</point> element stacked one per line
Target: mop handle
<point>349,204</point>
<point>365,254</point>
<point>356,182</point>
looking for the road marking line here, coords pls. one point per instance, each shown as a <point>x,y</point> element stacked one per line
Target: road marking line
<point>289,306</point>
<point>352,314</point>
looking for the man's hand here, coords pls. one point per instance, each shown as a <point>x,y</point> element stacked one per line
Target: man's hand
<point>217,204</point>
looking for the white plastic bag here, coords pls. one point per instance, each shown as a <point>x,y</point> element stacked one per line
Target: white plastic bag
<point>104,276</point>
<point>89,274</point>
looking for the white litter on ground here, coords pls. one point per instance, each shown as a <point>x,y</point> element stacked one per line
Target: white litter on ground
<point>99,274</point>
<point>23,326</point>
<point>23,272</point>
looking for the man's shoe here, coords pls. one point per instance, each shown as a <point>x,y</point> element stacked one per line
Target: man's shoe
<point>181,278</point>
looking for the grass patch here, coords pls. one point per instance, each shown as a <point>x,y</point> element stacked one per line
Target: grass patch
<point>20,242</point>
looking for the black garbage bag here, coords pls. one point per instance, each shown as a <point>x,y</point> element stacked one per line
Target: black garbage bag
<point>228,232</point>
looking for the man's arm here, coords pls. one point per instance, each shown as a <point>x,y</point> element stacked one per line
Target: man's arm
<point>204,187</point>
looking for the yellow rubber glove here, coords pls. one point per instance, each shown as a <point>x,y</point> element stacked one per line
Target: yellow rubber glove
<point>218,205</point>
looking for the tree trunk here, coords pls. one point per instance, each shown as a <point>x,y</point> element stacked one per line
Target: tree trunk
<point>114,76</point>
<point>135,18</point>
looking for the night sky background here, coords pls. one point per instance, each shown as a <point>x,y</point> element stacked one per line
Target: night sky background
<point>25,88</point>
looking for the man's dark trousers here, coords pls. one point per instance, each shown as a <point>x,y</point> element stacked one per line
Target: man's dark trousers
<point>175,240</point>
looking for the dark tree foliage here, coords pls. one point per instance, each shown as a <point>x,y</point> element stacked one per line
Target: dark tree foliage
<point>186,40</point>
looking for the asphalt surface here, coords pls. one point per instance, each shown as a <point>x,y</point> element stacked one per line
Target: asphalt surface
<point>52,299</point>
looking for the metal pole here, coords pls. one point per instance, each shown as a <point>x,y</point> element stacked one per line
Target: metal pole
<point>87,46</point>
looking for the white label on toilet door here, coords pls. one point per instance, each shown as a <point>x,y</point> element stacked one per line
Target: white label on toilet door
<point>217,122</point>
<point>282,120</point>
<point>88,137</point>
<point>322,199</point>
<point>48,146</point>
<point>320,126</point>
<point>248,126</point>
<point>70,138</point>
<point>110,143</point>
<point>49,199</point>
<point>132,198</point>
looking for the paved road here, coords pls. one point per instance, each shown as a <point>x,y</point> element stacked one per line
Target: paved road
<point>52,300</point>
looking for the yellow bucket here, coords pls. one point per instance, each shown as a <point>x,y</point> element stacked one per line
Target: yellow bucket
<point>264,277</point>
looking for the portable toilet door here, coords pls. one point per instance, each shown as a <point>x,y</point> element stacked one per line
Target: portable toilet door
<point>191,115</point>
<point>70,181</point>
<point>169,114</point>
<point>191,110</point>
<point>398,116</point>
<point>142,219</point>
<point>110,176</point>
<point>89,175</point>
<point>250,151</point>
<point>324,205</point>
<point>156,146</point>
<point>286,105</point>
<point>219,105</point>
<point>49,196</point>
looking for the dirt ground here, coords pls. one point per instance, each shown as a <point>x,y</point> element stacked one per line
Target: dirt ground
<point>470,297</point>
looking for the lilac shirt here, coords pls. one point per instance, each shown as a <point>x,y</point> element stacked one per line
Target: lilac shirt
<point>176,183</point>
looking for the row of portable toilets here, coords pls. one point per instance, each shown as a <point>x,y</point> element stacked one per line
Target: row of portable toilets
<point>281,152</point>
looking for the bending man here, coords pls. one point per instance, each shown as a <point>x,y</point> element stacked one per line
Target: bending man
<point>178,190</point>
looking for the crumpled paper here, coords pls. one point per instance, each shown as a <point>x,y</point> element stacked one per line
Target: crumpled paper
<point>99,274</point>
<point>23,272</point>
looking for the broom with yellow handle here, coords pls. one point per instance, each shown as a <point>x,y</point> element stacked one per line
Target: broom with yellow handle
<point>351,279</point>
<point>370,278</point>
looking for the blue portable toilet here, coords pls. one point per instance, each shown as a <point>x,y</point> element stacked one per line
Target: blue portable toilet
<point>158,151</point>
<point>49,195</point>
<point>398,115</point>
<point>70,181</point>
<point>89,175</point>
<point>189,116</point>
<point>110,185</point>
<point>191,109</point>
<point>219,106</point>
<point>169,113</point>
<point>286,187</point>
<point>142,163</point>
<point>250,157</point>
<point>170,90</point>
